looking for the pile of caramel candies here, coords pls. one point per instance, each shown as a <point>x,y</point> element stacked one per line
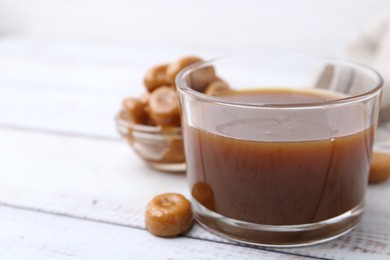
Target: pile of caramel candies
<point>159,106</point>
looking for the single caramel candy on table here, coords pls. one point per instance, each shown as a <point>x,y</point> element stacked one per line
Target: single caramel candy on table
<point>156,77</point>
<point>168,215</point>
<point>164,107</point>
<point>380,166</point>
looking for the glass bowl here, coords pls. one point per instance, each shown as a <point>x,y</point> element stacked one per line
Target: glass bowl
<point>160,147</point>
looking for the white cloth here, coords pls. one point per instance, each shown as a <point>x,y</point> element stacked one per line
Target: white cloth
<point>372,47</point>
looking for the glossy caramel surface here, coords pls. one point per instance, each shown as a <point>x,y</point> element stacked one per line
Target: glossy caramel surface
<point>260,180</point>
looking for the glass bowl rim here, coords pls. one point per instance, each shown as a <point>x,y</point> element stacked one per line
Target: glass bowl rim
<point>170,130</point>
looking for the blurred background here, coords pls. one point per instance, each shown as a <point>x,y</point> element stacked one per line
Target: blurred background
<point>82,57</point>
<point>323,26</point>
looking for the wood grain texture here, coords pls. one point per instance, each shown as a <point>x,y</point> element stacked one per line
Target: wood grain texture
<point>32,235</point>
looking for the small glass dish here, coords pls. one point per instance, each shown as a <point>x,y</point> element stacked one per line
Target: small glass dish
<point>160,147</point>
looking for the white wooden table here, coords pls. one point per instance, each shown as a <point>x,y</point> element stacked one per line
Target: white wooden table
<point>70,188</point>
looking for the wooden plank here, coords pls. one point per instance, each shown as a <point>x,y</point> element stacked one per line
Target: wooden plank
<point>104,181</point>
<point>69,87</point>
<point>59,111</point>
<point>82,68</point>
<point>81,177</point>
<point>32,235</point>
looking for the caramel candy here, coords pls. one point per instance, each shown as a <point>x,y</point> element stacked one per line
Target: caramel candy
<point>164,107</point>
<point>175,67</point>
<point>380,167</point>
<point>134,110</point>
<point>217,88</point>
<point>168,215</point>
<point>156,77</point>
<point>199,79</point>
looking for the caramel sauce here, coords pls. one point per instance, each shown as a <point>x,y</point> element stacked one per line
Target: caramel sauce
<point>280,168</point>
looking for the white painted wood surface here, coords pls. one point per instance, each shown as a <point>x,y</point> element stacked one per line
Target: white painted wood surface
<point>34,235</point>
<point>70,188</point>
